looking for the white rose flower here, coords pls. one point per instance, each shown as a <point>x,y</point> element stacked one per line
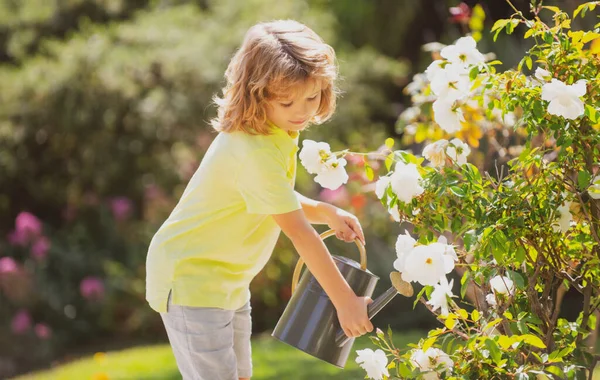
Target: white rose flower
<point>333,175</point>
<point>314,155</point>
<point>418,83</point>
<point>410,114</point>
<point>436,153</point>
<point>434,69</point>
<point>564,99</point>
<point>430,359</point>
<point>564,218</point>
<point>491,300</point>
<point>451,83</point>
<point>502,285</point>
<point>594,189</point>
<point>439,296</point>
<point>405,182</point>
<point>394,213</point>
<point>458,151</point>
<point>449,253</point>
<point>508,119</point>
<point>404,244</point>
<point>464,51</point>
<point>542,74</point>
<point>373,362</point>
<point>448,115</point>
<point>425,265</point>
<point>381,185</point>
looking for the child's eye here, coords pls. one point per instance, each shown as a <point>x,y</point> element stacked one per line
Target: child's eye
<point>313,98</point>
<point>286,104</point>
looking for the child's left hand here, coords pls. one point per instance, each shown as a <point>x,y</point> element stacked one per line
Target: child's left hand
<point>346,226</point>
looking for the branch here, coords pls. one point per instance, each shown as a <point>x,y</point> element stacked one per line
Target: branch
<point>587,295</point>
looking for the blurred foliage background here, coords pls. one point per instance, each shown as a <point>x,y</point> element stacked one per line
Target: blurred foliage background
<point>104,109</point>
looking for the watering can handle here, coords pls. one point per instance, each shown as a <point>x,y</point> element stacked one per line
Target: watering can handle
<point>375,307</point>
<point>325,235</point>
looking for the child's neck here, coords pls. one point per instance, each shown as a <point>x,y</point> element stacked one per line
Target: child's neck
<point>292,134</point>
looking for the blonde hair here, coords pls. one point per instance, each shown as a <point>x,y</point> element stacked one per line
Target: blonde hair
<point>274,58</point>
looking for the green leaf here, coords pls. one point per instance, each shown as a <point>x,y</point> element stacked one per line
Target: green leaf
<point>389,142</point>
<point>553,370</point>
<point>404,371</point>
<point>429,342</point>
<point>418,297</point>
<point>553,9</point>
<point>520,254</point>
<point>369,172</point>
<point>475,315</point>
<point>517,278</point>
<point>501,24</point>
<point>529,33</point>
<point>464,283</point>
<point>450,322</point>
<point>532,340</point>
<point>473,73</point>
<point>495,352</point>
<point>591,113</point>
<point>505,342</point>
<point>389,160</point>
<point>583,179</point>
<point>458,191</point>
<point>523,326</point>
<point>492,324</point>
<point>510,27</point>
<point>528,62</point>
<point>585,7</point>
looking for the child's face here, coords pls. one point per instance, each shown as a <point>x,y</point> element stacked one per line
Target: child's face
<point>295,112</point>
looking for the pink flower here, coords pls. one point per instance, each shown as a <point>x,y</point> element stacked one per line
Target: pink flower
<point>461,14</point>
<point>40,248</point>
<point>28,223</point>
<point>8,265</point>
<point>92,288</point>
<point>15,238</point>
<point>339,196</point>
<point>27,228</point>
<point>42,331</point>
<point>355,159</point>
<point>21,322</point>
<point>121,208</point>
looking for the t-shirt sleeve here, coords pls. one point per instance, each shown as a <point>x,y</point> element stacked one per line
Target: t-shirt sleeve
<point>264,185</point>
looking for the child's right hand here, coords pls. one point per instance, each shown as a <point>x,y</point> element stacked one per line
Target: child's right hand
<point>353,316</point>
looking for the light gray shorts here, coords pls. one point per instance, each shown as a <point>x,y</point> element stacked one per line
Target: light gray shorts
<point>210,343</point>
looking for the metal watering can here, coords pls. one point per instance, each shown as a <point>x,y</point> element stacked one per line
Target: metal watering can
<point>309,321</point>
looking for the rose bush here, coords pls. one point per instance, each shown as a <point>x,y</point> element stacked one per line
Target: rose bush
<point>519,237</point>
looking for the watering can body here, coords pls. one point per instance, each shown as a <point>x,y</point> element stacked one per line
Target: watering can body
<point>310,321</point>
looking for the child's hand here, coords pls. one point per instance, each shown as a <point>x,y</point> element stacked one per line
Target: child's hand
<point>353,317</point>
<point>346,226</point>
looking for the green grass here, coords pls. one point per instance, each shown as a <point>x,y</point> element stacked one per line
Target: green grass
<point>272,360</point>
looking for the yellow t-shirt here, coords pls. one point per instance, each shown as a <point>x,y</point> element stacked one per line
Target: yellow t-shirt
<point>221,233</point>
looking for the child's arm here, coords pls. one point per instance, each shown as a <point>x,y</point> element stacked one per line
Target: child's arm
<point>351,309</point>
<point>345,225</point>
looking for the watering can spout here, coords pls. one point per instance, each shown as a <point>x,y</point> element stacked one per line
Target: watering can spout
<point>398,286</point>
